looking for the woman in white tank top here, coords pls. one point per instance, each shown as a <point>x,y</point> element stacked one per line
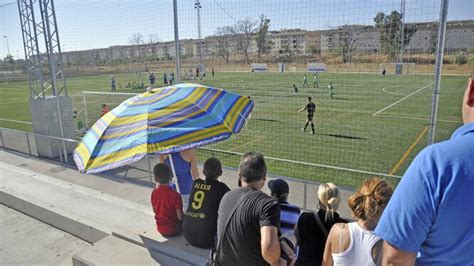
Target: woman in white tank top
<point>355,243</point>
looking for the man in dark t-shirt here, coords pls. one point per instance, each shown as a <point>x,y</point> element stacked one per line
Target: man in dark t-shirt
<point>200,219</point>
<point>251,236</point>
<point>311,108</point>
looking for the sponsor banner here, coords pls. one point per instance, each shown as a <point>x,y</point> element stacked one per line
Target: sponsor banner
<point>316,67</point>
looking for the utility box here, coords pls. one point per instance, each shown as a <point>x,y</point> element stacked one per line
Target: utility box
<point>45,116</point>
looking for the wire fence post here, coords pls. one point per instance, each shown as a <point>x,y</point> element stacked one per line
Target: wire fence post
<point>28,142</point>
<point>85,109</point>
<point>60,154</point>
<point>438,69</point>
<point>3,140</point>
<point>149,168</point>
<point>176,41</point>
<point>305,193</point>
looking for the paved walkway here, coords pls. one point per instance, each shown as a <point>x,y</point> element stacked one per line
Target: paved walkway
<point>27,241</point>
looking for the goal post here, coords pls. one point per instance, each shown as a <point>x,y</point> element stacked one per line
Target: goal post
<point>89,104</point>
<point>397,68</point>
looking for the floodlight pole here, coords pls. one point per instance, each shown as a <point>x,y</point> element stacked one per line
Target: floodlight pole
<point>438,68</point>
<point>176,41</point>
<point>8,46</point>
<point>402,30</point>
<point>197,6</point>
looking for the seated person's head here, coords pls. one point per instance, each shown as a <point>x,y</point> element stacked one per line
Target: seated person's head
<point>329,196</point>
<point>162,173</point>
<point>369,201</point>
<point>212,169</point>
<point>279,189</point>
<point>252,168</point>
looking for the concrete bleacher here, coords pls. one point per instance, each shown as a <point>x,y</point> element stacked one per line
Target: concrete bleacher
<point>111,212</point>
<point>121,230</point>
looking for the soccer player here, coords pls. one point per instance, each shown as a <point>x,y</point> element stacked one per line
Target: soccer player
<point>311,108</point>
<point>315,81</point>
<point>295,89</point>
<point>305,82</point>
<point>332,93</point>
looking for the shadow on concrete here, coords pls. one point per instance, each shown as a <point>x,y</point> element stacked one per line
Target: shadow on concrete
<point>174,251</point>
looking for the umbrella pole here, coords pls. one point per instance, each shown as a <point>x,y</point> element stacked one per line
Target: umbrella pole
<point>174,173</point>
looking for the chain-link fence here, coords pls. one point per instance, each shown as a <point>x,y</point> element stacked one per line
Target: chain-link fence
<point>367,65</point>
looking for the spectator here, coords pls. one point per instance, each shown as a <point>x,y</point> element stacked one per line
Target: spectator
<point>250,236</point>
<point>429,219</point>
<point>312,228</point>
<point>355,243</point>
<point>166,203</point>
<point>105,110</point>
<point>288,213</point>
<point>200,219</point>
<point>212,71</point>
<point>186,170</point>
<point>152,79</point>
<point>171,78</point>
<point>165,79</point>
<point>112,84</point>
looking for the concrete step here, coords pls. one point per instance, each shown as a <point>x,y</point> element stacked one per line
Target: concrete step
<point>89,214</point>
<point>115,251</point>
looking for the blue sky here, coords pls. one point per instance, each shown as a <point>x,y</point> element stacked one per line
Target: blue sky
<point>86,24</point>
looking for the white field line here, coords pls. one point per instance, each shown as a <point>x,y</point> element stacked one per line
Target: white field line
<point>16,121</point>
<point>427,119</point>
<point>394,93</point>
<point>13,101</point>
<point>385,108</point>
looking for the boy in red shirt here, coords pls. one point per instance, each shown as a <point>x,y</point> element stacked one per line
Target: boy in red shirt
<point>166,202</point>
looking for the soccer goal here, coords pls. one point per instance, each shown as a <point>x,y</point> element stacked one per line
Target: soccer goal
<point>88,105</point>
<point>397,68</point>
<point>259,67</point>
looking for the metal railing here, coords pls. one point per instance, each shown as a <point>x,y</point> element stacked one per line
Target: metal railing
<point>12,139</point>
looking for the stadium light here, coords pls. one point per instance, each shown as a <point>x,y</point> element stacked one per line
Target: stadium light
<point>197,6</point>
<point>8,47</point>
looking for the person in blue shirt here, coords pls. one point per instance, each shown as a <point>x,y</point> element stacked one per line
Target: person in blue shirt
<point>185,168</point>
<point>430,217</point>
<point>289,213</point>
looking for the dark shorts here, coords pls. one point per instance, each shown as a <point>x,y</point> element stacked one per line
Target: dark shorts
<point>310,117</point>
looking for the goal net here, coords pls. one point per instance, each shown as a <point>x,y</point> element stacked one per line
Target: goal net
<point>88,104</point>
<point>397,68</point>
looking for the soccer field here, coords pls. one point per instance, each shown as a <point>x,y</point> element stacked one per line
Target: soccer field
<point>374,126</point>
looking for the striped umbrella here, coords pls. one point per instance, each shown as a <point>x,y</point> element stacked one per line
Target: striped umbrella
<point>161,121</point>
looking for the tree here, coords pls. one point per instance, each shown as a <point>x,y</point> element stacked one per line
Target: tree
<point>137,41</point>
<point>10,60</point>
<point>244,31</point>
<point>224,42</point>
<point>313,49</point>
<point>263,45</point>
<point>389,28</point>
<point>153,38</point>
<point>349,44</point>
